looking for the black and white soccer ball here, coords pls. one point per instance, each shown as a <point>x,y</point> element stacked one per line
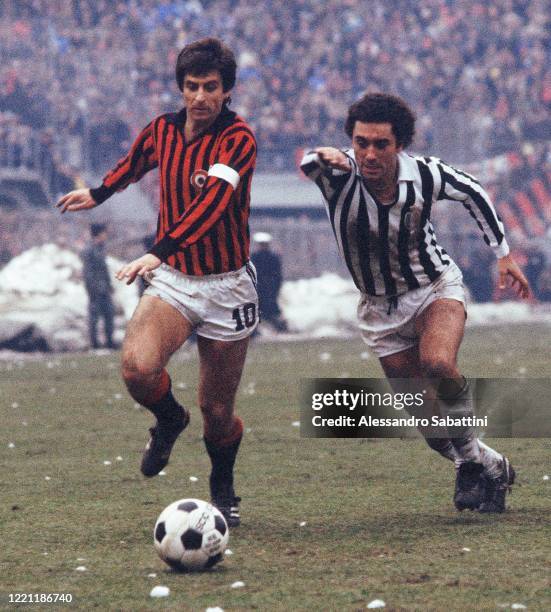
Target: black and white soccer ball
<point>191,535</point>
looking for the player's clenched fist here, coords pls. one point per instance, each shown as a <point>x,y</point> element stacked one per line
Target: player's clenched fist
<point>138,267</point>
<point>79,199</point>
<point>333,157</point>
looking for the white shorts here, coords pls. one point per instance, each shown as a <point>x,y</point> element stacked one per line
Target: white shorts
<point>219,306</point>
<point>387,330</point>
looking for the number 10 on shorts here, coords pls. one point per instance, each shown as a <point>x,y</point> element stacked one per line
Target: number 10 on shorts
<point>244,316</point>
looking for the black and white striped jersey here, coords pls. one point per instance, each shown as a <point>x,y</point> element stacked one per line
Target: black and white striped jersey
<point>391,249</point>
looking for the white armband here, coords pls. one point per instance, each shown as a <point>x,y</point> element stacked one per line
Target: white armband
<point>310,157</point>
<point>226,173</point>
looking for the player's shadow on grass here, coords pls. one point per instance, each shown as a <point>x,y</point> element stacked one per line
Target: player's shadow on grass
<point>417,525</point>
<point>412,526</point>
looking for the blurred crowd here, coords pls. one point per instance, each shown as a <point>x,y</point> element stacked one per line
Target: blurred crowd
<point>106,67</point>
<point>31,152</point>
<point>79,78</point>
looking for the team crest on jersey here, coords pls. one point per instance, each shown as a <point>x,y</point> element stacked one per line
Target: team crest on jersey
<point>411,219</point>
<point>198,179</point>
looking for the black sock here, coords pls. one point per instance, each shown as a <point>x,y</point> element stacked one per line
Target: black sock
<point>167,409</point>
<point>223,460</point>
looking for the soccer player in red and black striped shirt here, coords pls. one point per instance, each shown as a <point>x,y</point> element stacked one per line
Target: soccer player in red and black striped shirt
<point>198,269</point>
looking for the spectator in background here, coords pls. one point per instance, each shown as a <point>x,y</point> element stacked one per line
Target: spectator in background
<point>474,70</point>
<point>465,61</point>
<point>109,141</point>
<point>544,286</point>
<point>268,266</point>
<point>98,285</point>
<point>534,267</point>
<point>5,255</point>
<point>476,265</point>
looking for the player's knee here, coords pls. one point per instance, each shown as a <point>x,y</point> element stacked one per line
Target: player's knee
<point>217,417</point>
<point>437,366</point>
<point>137,369</point>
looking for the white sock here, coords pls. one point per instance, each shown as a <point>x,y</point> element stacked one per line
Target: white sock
<point>468,448</point>
<point>444,447</point>
<point>463,438</point>
<point>491,460</point>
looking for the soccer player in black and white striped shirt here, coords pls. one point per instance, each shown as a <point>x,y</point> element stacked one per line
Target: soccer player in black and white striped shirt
<point>412,306</point>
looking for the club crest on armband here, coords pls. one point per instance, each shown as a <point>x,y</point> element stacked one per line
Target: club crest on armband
<point>198,179</point>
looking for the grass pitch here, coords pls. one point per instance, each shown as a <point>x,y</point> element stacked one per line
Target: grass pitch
<point>327,524</point>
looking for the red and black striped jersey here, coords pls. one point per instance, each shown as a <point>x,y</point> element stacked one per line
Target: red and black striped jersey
<point>205,187</point>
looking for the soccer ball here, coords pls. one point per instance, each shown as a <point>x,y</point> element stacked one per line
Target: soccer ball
<point>191,535</point>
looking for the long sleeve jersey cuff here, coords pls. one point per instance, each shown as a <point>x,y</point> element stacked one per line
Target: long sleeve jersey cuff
<point>502,250</point>
<point>163,249</point>
<point>334,171</point>
<point>101,193</point>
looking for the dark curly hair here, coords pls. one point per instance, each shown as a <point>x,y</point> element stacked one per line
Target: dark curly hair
<point>203,56</point>
<point>383,108</point>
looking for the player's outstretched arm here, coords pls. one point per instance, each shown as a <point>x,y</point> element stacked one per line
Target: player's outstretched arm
<point>507,267</point>
<point>139,267</point>
<point>79,199</point>
<point>334,158</point>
